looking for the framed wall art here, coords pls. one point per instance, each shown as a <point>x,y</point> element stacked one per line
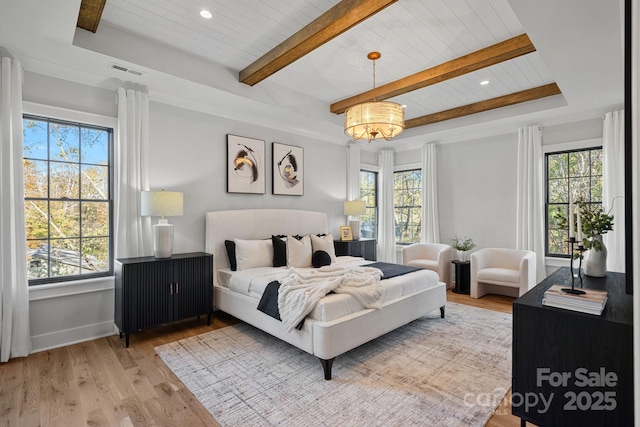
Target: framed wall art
<point>245,165</point>
<point>288,169</point>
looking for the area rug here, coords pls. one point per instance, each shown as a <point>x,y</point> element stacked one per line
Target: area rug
<point>431,372</point>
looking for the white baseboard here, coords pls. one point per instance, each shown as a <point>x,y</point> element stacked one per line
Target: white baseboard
<point>72,336</point>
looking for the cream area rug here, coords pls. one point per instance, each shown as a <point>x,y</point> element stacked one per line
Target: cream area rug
<point>431,372</point>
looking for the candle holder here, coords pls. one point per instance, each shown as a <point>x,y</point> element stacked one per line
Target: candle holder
<point>572,289</point>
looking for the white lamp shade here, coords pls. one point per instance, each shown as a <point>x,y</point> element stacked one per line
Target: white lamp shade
<point>161,203</point>
<point>374,120</point>
<point>355,207</point>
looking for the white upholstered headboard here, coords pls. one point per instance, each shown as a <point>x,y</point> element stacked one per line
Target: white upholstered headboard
<point>251,224</point>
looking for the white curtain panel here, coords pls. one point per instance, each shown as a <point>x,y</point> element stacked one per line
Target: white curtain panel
<point>613,187</point>
<point>530,196</point>
<point>386,224</point>
<point>353,171</point>
<point>15,340</point>
<point>132,231</point>
<point>430,219</point>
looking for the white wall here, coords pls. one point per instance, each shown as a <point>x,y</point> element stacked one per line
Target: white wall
<point>477,190</point>
<point>188,154</point>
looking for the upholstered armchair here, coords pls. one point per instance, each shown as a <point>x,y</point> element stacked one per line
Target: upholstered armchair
<point>510,272</point>
<point>432,256</point>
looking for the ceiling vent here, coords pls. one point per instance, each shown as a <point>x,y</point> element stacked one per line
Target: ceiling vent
<point>126,69</point>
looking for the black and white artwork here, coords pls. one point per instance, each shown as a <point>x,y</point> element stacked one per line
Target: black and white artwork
<point>245,165</point>
<point>288,169</point>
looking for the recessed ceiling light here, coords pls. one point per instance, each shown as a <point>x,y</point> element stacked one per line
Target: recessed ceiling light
<point>484,82</point>
<point>206,14</point>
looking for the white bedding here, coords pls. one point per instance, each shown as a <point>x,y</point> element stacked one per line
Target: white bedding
<point>252,283</point>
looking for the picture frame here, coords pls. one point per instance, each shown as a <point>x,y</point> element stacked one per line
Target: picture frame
<point>245,165</point>
<point>346,234</point>
<point>288,169</point>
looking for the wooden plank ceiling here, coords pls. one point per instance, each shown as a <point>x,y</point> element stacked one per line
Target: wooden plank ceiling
<point>327,26</point>
<point>349,13</point>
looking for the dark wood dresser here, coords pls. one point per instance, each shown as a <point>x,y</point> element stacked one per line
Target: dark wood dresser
<point>572,368</point>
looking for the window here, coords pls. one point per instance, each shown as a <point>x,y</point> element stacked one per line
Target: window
<point>68,200</point>
<point>407,205</point>
<point>369,193</point>
<point>578,172</point>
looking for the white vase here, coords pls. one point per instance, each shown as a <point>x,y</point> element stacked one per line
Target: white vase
<point>463,255</point>
<point>595,261</point>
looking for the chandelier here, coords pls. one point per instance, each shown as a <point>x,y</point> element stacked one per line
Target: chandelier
<point>376,119</point>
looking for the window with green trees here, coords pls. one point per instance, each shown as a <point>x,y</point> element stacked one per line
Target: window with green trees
<point>68,199</point>
<point>369,193</point>
<point>407,205</point>
<point>579,173</point>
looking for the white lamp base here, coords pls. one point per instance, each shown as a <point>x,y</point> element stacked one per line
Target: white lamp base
<point>162,239</point>
<point>355,228</point>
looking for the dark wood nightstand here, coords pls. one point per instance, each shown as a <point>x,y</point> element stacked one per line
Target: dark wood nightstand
<point>463,277</point>
<point>365,248</point>
<point>152,291</point>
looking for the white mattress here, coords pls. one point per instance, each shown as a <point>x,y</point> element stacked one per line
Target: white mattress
<point>252,282</point>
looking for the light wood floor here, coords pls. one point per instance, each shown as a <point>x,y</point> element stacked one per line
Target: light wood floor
<point>102,383</point>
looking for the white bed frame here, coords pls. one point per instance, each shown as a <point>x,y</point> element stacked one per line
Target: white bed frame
<point>326,340</point>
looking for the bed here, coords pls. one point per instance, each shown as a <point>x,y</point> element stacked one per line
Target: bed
<point>338,323</point>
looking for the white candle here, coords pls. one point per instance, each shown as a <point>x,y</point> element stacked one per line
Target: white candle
<point>571,223</point>
<point>579,236</point>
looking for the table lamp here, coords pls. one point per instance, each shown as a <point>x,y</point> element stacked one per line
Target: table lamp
<point>355,208</point>
<point>162,203</point>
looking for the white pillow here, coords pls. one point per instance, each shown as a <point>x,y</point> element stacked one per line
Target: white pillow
<point>253,253</point>
<point>299,252</point>
<point>324,243</point>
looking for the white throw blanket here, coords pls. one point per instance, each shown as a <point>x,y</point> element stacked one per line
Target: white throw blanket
<point>301,290</point>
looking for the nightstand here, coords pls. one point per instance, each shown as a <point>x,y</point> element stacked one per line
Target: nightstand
<point>463,277</point>
<point>365,248</point>
<point>153,291</point>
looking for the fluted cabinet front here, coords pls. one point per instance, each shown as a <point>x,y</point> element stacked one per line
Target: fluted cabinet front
<point>151,291</point>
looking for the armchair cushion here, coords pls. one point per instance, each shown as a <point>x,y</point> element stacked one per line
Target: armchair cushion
<point>424,263</point>
<point>499,276</point>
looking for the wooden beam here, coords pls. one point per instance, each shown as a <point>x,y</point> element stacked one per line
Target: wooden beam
<point>489,104</point>
<point>327,26</point>
<point>90,14</point>
<point>499,52</point>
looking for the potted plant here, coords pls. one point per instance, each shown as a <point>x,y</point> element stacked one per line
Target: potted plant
<point>463,246</point>
<point>594,223</point>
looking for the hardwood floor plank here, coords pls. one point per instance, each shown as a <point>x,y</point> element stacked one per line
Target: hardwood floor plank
<point>138,413</point>
<point>29,412</point>
<point>113,407</point>
<point>10,393</point>
<point>97,418</point>
<point>111,364</point>
<point>60,404</point>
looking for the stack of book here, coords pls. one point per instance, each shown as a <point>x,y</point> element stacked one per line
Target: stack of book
<point>592,301</point>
